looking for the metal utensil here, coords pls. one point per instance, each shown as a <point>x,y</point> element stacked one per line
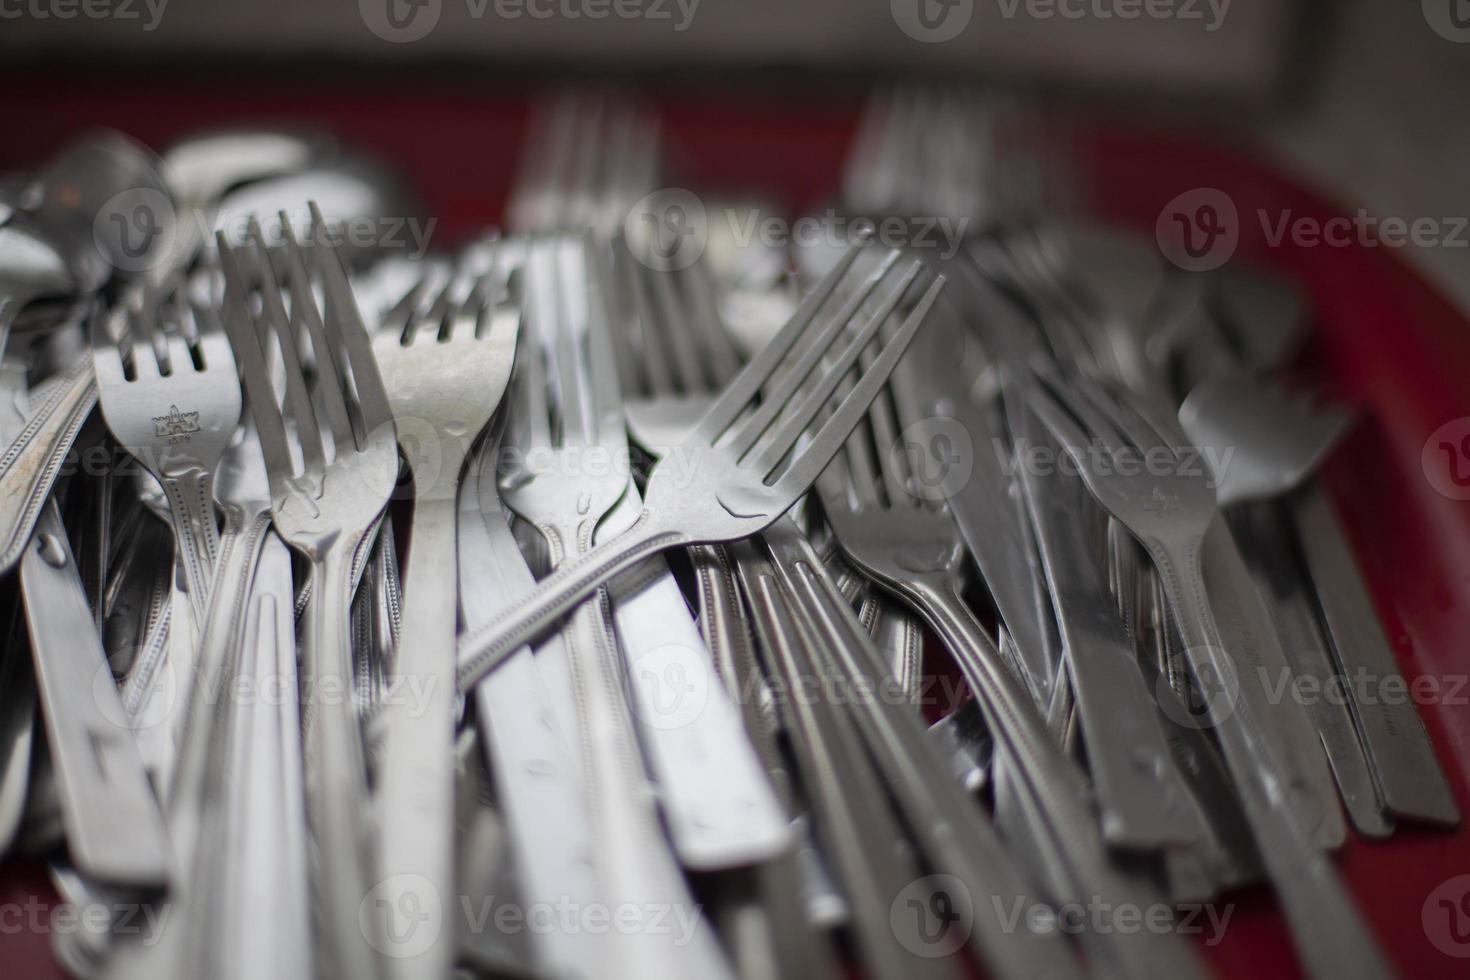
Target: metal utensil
<point>326,510</point>
<point>747,480</point>
<point>444,373</point>
<point>1170,512</point>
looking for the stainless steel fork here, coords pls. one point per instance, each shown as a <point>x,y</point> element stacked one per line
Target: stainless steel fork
<point>172,400</point>
<point>1170,508</point>
<point>914,549</point>
<point>324,507</point>
<point>444,373</point>
<point>570,473</point>
<point>747,473</point>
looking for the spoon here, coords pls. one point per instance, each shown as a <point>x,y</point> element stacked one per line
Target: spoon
<point>204,169</point>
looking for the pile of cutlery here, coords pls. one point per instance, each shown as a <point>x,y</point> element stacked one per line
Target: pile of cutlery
<point>507,613</point>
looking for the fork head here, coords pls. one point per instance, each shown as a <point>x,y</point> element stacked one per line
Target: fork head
<point>446,368</point>
<point>565,460</point>
<point>683,352</point>
<point>332,460</point>
<point>888,530</point>
<point>166,380</point>
<point>1160,492</point>
<point>741,466</point>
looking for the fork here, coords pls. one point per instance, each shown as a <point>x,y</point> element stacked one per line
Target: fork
<point>912,548</point>
<point>171,398</point>
<point>722,810</point>
<point>444,374</point>
<point>1380,753</point>
<point>741,485</point>
<point>566,478</point>
<point>588,160</point>
<point>324,508</point>
<point>1170,511</point>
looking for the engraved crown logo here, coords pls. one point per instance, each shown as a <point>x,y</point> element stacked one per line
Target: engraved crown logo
<point>176,423</point>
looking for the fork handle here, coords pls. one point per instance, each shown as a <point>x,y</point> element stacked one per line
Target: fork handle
<point>191,501</point>
<point>1393,734</point>
<point>1050,785</point>
<point>482,650</point>
<point>415,790</point>
<point>335,772</point>
<point>1330,936</point>
<point>199,740</point>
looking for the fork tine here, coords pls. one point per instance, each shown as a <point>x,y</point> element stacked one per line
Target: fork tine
<point>180,357</point>
<point>621,294</point>
<point>704,313</point>
<point>532,417</point>
<point>785,389</point>
<point>534,174</point>
<point>861,472</point>
<point>1040,399</point>
<point>813,458</point>
<point>438,316</point>
<point>462,319</point>
<point>1116,409</point>
<point>892,466</point>
<point>245,340</point>
<point>1093,419</point>
<point>502,306</point>
<point>602,384</point>
<point>331,379</point>
<point>675,318</point>
<point>140,339</point>
<point>656,367</point>
<point>581,192</point>
<point>399,318</point>
<point>774,447</point>
<point>343,319</point>
<point>551,281</point>
<point>298,402</point>
<point>108,364</point>
<point>737,395</point>
<point>209,334</point>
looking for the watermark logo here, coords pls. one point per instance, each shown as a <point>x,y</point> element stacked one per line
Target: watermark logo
<point>1446,917</point>
<point>400,21</point>
<point>671,686</point>
<point>1445,459</point>
<point>932,21</point>
<point>135,708</point>
<point>1450,19</point>
<point>1199,230</point>
<point>1209,699</point>
<point>933,917</point>
<point>133,229</point>
<point>401,916</point>
<point>939,456</point>
<point>668,229</point>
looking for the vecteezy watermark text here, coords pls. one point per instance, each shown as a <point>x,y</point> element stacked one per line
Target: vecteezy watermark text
<point>1211,13</point>
<point>670,228</point>
<point>148,12</point>
<point>403,21</point>
<point>142,919</point>
<point>1043,460</point>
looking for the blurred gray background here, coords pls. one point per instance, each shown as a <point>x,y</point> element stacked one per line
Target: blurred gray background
<point>1366,98</point>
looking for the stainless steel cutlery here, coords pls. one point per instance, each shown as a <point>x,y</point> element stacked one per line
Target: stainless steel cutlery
<point>503,612</point>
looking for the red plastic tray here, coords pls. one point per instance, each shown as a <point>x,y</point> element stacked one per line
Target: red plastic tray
<point>1387,341</point>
